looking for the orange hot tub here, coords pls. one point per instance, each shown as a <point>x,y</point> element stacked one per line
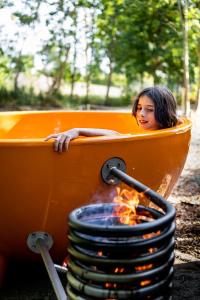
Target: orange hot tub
<point>40,187</point>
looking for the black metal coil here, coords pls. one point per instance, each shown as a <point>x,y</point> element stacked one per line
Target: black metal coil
<point>100,245</point>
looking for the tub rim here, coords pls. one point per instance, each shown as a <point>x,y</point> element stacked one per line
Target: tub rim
<point>162,133</point>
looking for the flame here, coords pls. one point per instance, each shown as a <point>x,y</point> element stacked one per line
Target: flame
<point>127,213</point>
<point>100,253</point>
<point>109,285</point>
<point>128,201</point>
<point>143,268</point>
<point>65,262</point>
<point>145,282</point>
<point>119,270</point>
<point>114,285</point>
<point>150,235</point>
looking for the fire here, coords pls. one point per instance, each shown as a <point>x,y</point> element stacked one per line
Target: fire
<point>100,253</point>
<point>65,262</point>
<point>150,235</point>
<point>145,282</point>
<point>127,211</point>
<point>109,285</point>
<point>119,270</point>
<point>143,268</point>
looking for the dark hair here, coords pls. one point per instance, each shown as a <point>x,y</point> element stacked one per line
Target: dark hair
<point>165,105</point>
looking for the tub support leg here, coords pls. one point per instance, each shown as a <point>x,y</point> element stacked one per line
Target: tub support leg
<point>41,242</point>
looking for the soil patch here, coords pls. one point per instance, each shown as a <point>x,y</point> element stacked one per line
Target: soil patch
<point>186,199</point>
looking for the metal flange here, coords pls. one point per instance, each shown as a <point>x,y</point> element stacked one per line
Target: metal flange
<point>34,236</point>
<point>108,165</point>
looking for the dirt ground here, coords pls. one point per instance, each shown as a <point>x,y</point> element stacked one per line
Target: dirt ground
<point>32,282</point>
<point>186,199</point>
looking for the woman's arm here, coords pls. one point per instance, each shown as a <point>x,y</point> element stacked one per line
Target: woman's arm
<point>62,139</point>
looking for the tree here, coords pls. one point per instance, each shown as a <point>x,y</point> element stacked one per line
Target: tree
<point>74,29</point>
<point>183,8</point>
<point>55,49</point>
<point>107,34</point>
<point>18,61</point>
<point>194,19</point>
<point>138,38</point>
<point>147,33</point>
<point>89,20</point>
<point>198,79</point>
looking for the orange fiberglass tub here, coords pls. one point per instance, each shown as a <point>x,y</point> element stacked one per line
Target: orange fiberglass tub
<point>39,187</point>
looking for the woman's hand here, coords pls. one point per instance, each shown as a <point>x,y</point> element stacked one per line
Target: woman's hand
<point>62,139</point>
<point>179,121</point>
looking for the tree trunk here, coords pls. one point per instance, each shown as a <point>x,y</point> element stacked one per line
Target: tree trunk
<point>141,81</point>
<point>16,88</point>
<point>87,77</point>
<point>73,82</point>
<point>183,7</point>
<point>55,86</point>
<point>73,74</point>
<point>17,70</point>
<point>155,79</point>
<point>198,82</point>
<point>89,45</point>
<point>186,64</point>
<point>109,81</point>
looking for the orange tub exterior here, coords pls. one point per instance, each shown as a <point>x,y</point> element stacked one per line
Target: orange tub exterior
<point>39,188</point>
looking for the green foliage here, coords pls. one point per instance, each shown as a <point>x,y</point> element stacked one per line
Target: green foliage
<point>138,39</point>
<point>27,99</point>
<point>24,19</point>
<point>21,63</point>
<point>100,78</point>
<point>96,102</point>
<point>6,3</point>
<point>4,69</point>
<point>15,98</point>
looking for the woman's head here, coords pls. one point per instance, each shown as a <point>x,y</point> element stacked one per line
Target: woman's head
<point>155,108</point>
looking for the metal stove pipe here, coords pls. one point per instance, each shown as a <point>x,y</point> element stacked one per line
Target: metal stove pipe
<point>141,188</point>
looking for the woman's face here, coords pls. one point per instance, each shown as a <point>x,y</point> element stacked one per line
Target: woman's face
<point>145,114</point>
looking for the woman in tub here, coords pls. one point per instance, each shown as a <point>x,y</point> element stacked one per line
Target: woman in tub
<point>154,108</point>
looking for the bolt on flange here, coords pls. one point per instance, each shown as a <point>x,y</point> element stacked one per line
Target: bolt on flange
<point>116,162</point>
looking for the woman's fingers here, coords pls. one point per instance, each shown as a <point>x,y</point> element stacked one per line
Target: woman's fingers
<point>62,140</point>
<point>51,136</point>
<point>61,143</point>
<point>66,144</point>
